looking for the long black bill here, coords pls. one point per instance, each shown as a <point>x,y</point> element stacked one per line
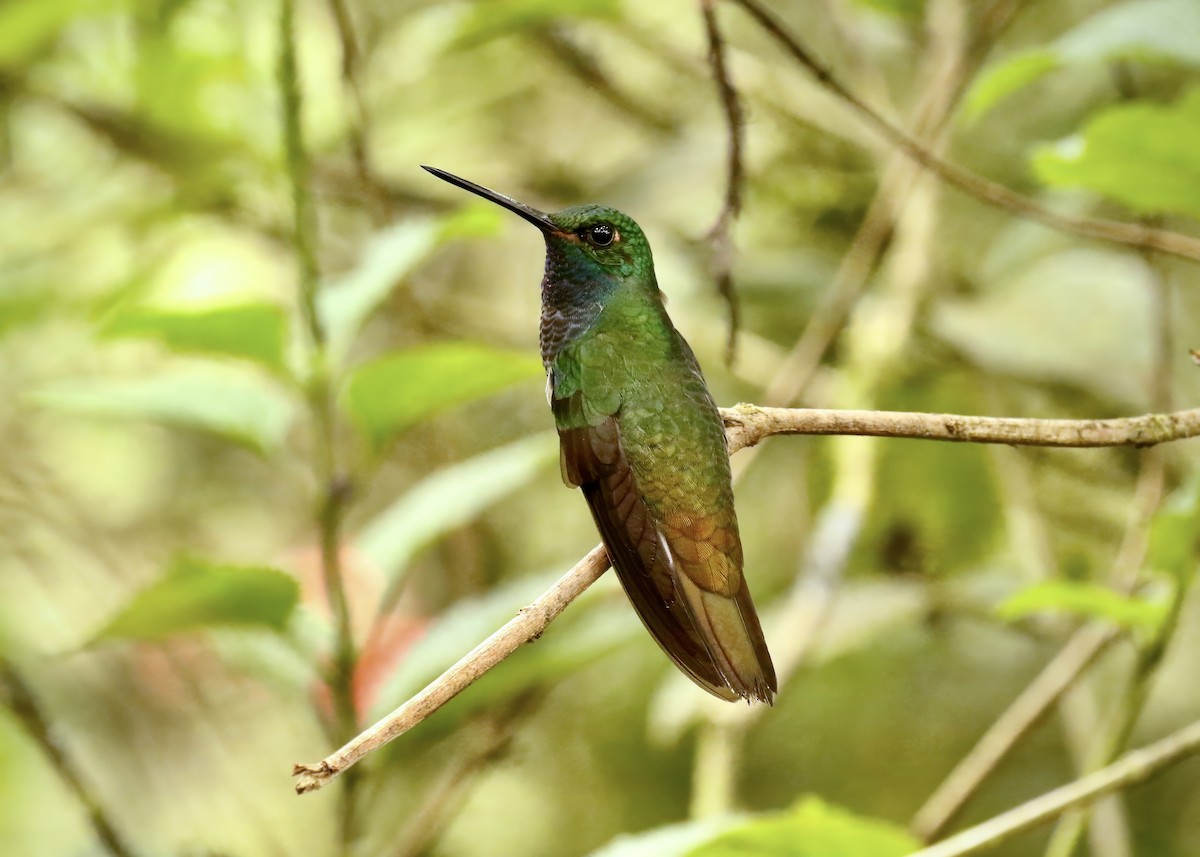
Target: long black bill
<point>537,218</point>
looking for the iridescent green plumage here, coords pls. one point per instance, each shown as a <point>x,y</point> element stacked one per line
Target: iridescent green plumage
<point>641,436</point>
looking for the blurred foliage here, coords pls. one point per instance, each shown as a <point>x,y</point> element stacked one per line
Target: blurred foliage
<point>1090,600</point>
<point>812,829</point>
<point>1133,153</point>
<point>193,595</point>
<point>397,391</point>
<point>165,455</point>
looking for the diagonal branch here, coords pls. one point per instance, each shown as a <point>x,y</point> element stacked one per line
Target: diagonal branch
<point>524,627</point>
<point>746,425</point>
<point>1132,768</point>
<point>20,700</point>
<point>985,190</point>
<point>1018,720</point>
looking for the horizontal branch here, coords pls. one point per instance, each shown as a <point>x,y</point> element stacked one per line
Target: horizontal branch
<point>1131,768</point>
<point>746,425</point>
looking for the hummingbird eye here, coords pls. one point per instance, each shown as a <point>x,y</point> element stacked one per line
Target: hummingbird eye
<point>601,235</point>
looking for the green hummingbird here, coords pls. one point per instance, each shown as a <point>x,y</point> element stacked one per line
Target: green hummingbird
<point>640,434</point>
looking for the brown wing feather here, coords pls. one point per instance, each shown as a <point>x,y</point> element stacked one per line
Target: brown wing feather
<point>675,573</point>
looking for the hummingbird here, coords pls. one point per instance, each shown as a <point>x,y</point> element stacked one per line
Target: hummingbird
<point>640,435</point>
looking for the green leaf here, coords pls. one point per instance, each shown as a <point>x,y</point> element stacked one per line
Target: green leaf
<point>1143,155</point>
<point>196,594</point>
<point>449,498</point>
<point>474,220</point>
<point>23,308</point>
<point>389,257</point>
<point>1174,533</point>
<point>1006,78</point>
<point>1156,30</point>
<point>1089,600</point>
<point>673,840</point>
<point>910,10</point>
<point>256,332</point>
<point>27,29</point>
<point>398,390</point>
<point>812,828</point>
<point>235,405</point>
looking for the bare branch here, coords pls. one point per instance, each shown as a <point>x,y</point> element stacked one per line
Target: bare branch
<point>351,65</point>
<point>523,628</point>
<point>334,486</point>
<point>746,425</point>
<point>985,190</point>
<point>1017,720</point>
<point>1133,767</point>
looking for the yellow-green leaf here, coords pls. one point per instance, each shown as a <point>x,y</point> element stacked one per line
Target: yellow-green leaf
<point>256,332</point>
<point>1161,31</point>
<point>398,390</point>
<point>236,405</point>
<point>1141,154</point>
<point>1174,530</point>
<point>194,594</point>
<point>449,498</point>
<point>1084,599</point>
<point>812,828</point>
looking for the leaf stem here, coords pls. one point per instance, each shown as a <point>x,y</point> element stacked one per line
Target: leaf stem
<point>335,487</point>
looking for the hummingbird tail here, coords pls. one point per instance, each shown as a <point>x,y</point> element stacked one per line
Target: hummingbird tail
<point>734,637</point>
<point>704,621</point>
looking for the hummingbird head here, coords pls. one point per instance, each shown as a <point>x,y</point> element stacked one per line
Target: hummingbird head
<point>586,239</point>
<point>598,236</point>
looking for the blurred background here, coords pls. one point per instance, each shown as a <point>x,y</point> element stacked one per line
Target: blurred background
<point>183,467</point>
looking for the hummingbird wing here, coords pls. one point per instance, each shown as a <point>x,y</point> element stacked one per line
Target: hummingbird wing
<point>680,567</point>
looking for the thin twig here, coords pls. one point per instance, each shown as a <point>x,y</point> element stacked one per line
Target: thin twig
<point>1127,571</point>
<point>523,628</point>
<point>488,743</point>
<point>746,425</point>
<point>24,706</point>
<point>1132,768</point>
<point>334,486</point>
<point>577,60</point>
<point>985,190</point>
<point>304,218</point>
<point>351,64</point>
<point>930,120</point>
<point>360,118</point>
<point>720,236</point>
<point>1010,727</point>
